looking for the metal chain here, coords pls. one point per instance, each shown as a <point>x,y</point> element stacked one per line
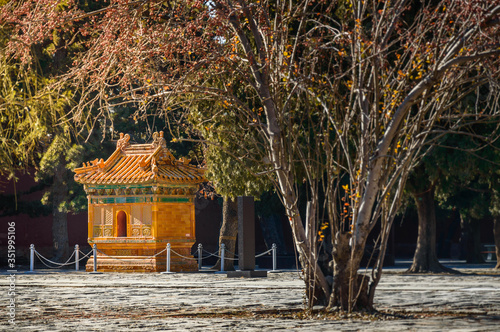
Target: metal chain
<point>266,252</point>
<point>175,252</point>
<point>55,263</point>
<point>228,251</point>
<point>50,267</point>
<point>210,254</point>
<point>85,256</point>
<point>150,257</point>
<point>215,255</point>
<point>232,259</point>
<point>161,252</point>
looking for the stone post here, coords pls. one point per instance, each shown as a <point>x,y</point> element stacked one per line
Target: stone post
<point>246,240</point>
<point>246,233</point>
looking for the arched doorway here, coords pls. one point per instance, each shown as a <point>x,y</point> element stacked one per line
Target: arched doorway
<point>121,224</point>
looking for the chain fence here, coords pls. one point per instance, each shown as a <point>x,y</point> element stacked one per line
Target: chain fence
<point>55,265</point>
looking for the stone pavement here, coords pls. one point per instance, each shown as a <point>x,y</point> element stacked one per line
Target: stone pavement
<point>79,301</point>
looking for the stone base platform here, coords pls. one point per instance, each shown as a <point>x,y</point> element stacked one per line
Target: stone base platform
<point>140,264</point>
<point>125,255</point>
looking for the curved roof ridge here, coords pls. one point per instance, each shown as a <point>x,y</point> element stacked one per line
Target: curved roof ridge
<point>139,163</point>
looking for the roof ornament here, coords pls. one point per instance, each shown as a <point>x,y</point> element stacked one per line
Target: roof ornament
<point>166,156</point>
<point>97,162</point>
<point>185,161</point>
<point>123,142</point>
<point>159,140</point>
<point>154,167</point>
<point>139,164</point>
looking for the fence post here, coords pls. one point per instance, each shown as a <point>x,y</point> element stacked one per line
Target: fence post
<point>200,254</point>
<point>94,252</point>
<point>168,257</point>
<point>222,252</point>
<point>168,260</point>
<point>274,250</point>
<point>274,256</point>
<point>32,257</point>
<point>77,257</point>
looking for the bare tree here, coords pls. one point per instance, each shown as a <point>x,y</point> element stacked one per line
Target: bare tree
<point>336,97</point>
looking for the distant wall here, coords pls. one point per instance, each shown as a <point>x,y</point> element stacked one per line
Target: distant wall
<point>38,231</point>
<point>35,230</point>
<point>208,214</point>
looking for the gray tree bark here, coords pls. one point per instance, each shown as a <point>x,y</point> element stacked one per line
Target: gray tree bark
<point>425,259</point>
<point>228,233</point>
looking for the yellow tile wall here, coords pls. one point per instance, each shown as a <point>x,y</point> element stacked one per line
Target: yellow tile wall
<point>167,220</point>
<point>175,220</point>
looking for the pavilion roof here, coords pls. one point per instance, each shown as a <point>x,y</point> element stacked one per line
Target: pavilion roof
<point>139,164</point>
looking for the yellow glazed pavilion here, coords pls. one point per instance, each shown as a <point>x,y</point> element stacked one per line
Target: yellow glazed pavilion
<point>139,200</point>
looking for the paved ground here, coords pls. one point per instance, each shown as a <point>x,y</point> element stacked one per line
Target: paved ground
<point>78,301</point>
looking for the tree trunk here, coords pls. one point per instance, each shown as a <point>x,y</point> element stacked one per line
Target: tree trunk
<point>496,233</point>
<point>228,233</point>
<point>425,259</point>
<point>471,239</point>
<point>59,214</point>
<point>317,288</point>
<point>346,280</point>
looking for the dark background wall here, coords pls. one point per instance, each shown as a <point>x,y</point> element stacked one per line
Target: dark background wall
<point>37,228</point>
